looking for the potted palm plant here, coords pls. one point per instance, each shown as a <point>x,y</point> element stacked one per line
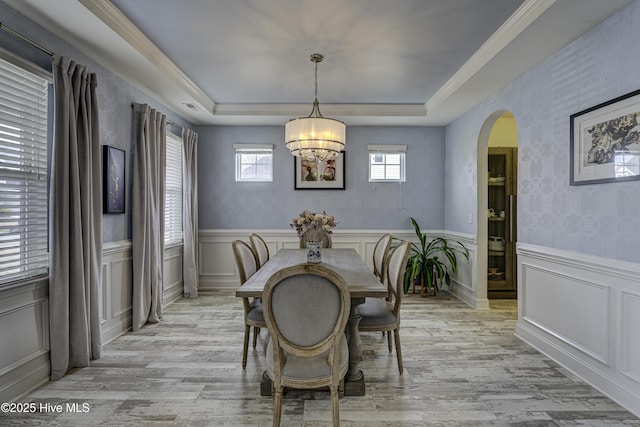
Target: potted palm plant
<point>429,261</point>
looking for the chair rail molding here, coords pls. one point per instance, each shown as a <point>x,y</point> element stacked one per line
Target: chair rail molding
<point>582,311</point>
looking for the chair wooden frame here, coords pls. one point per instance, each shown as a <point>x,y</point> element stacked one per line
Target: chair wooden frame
<point>380,252</point>
<point>260,248</point>
<point>396,265</point>
<point>242,251</point>
<point>330,344</point>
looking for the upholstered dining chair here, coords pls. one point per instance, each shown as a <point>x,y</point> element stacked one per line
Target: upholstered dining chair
<point>260,247</point>
<point>247,264</point>
<point>327,242</point>
<point>306,308</point>
<point>379,315</point>
<point>380,252</point>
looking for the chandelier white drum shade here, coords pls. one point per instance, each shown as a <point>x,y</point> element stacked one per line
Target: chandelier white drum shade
<point>315,137</point>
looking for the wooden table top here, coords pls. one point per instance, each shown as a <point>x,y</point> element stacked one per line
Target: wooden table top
<point>346,262</point>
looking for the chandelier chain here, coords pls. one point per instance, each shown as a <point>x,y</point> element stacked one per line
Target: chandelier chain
<point>316,80</point>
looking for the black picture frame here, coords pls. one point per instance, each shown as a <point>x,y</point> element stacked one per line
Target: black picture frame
<point>113,179</point>
<point>328,176</point>
<point>605,142</point>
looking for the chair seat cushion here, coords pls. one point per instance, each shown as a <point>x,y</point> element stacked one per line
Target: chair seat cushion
<point>376,313</point>
<point>309,367</point>
<point>256,314</point>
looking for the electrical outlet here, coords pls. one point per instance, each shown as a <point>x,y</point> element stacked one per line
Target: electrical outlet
<point>470,218</point>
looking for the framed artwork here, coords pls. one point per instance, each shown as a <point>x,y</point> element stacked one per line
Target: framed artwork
<point>312,175</point>
<point>605,142</point>
<point>113,168</point>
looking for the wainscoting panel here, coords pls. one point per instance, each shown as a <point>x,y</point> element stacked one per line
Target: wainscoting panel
<point>117,282</point>
<point>547,294</point>
<point>117,279</point>
<point>24,338</point>
<point>583,312</point>
<point>630,335</point>
<point>218,269</point>
<point>173,283</point>
<point>463,283</point>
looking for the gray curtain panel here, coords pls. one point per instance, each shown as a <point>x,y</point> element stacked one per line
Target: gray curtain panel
<point>75,220</point>
<point>148,214</point>
<point>190,212</point>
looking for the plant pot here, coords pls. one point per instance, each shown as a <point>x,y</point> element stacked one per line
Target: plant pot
<point>422,283</point>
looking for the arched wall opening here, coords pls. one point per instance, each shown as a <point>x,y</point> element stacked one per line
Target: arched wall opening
<point>498,130</point>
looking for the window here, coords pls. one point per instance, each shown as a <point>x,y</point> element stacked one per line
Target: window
<point>173,190</point>
<point>387,163</point>
<point>23,173</point>
<point>254,162</point>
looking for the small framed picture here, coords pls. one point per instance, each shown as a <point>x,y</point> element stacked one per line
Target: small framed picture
<point>113,169</point>
<point>605,142</point>
<point>319,175</point>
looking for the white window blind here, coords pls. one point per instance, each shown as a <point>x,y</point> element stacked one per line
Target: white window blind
<point>254,162</point>
<point>387,163</point>
<point>173,190</point>
<point>23,173</point>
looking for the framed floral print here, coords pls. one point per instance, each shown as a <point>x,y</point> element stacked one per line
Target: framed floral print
<point>113,169</point>
<point>605,142</point>
<point>319,175</point>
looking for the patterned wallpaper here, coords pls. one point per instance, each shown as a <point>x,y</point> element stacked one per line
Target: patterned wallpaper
<point>598,219</point>
<point>226,204</point>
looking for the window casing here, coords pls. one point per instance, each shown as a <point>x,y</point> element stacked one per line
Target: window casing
<point>173,190</point>
<point>254,162</point>
<point>23,173</point>
<point>387,163</point>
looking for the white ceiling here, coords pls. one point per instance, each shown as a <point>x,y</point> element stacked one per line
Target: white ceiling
<point>387,62</point>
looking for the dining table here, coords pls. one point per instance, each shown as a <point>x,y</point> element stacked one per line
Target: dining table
<point>361,282</point>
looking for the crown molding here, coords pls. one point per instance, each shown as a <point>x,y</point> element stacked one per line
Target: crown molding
<point>526,14</point>
<point>108,13</point>
<point>328,110</point>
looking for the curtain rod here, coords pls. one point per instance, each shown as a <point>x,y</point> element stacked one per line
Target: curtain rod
<point>167,121</point>
<point>24,39</point>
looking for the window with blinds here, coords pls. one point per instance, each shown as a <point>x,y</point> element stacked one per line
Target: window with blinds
<point>23,173</point>
<point>387,163</point>
<point>254,162</point>
<point>173,190</point>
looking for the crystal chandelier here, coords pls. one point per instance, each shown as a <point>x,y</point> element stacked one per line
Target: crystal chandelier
<point>315,137</point>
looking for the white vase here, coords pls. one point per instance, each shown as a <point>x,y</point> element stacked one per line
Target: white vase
<point>314,254</point>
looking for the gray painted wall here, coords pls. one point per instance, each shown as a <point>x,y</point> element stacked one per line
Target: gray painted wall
<point>599,219</point>
<point>226,204</point>
<point>115,96</point>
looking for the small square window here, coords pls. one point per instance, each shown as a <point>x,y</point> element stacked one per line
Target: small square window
<point>254,162</point>
<point>387,163</point>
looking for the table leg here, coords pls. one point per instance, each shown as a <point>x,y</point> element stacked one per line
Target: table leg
<point>354,380</point>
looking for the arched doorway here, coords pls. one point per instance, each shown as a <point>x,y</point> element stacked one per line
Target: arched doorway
<point>497,189</point>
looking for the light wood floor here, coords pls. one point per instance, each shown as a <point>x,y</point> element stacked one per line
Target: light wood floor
<point>462,367</point>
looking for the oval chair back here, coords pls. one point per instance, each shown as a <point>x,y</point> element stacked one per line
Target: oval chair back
<point>247,264</point>
<point>260,247</point>
<point>306,308</point>
<point>380,253</point>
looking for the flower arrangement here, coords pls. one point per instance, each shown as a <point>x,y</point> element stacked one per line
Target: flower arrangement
<point>312,226</point>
